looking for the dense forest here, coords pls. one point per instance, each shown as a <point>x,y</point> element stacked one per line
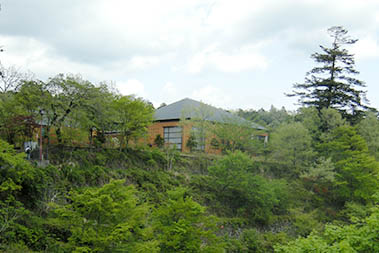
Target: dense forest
<point>312,188</point>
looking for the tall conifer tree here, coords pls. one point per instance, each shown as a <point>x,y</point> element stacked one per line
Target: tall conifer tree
<point>332,84</point>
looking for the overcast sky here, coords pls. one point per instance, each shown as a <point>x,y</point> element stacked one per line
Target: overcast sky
<point>230,54</point>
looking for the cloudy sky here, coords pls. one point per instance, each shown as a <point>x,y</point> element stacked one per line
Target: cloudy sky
<point>231,54</point>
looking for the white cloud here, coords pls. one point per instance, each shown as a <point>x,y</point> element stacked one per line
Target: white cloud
<point>366,48</point>
<point>154,41</point>
<point>213,96</point>
<point>40,58</point>
<point>169,93</point>
<point>142,62</point>
<point>131,87</point>
<point>243,59</point>
<point>170,90</point>
<point>225,14</point>
<point>22,51</point>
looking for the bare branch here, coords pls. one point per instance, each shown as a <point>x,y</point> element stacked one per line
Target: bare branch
<point>11,78</point>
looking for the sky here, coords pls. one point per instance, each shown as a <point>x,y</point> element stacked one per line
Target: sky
<point>230,54</point>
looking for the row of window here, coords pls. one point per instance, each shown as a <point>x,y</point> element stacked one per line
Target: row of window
<point>173,136</point>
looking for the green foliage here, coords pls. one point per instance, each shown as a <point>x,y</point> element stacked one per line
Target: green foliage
<point>12,213</point>
<point>68,101</point>
<point>198,119</point>
<point>361,236</point>
<point>181,225</point>
<point>21,187</point>
<point>97,113</point>
<point>172,156</point>
<point>310,119</point>
<point>291,145</point>
<point>10,127</point>
<point>215,143</point>
<point>159,141</point>
<point>320,178</point>
<point>356,171</point>
<point>234,134</point>
<point>133,115</point>
<point>368,128</point>
<point>106,219</point>
<point>322,172</point>
<point>331,119</point>
<point>74,136</point>
<point>17,177</point>
<point>304,223</point>
<point>227,169</point>
<point>191,143</point>
<point>250,240</point>
<point>353,210</point>
<point>272,118</point>
<point>154,184</point>
<point>236,184</point>
<point>33,96</point>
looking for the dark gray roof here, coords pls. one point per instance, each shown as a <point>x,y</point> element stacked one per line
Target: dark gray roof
<point>188,108</point>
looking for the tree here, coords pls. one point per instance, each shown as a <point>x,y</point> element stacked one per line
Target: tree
<point>11,78</point>
<point>319,124</point>
<point>272,118</point>
<point>321,177</point>
<point>133,115</point>
<point>356,171</point>
<point>199,119</point>
<point>368,128</point>
<point>162,105</point>
<point>237,186</point>
<point>159,141</point>
<point>237,134</point>
<point>291,145</point>
<point>97,113</point>
<point>15,173</point>
<point>181,225</point>
<point>361,236</point>
<point>69,93</point>
<point>332,84</point>
<point>10,109</point>
<point>106,219</point>
<point>19,188</point>
<point>191,143</point>
<point>58,99</point>
<point>69,101</point>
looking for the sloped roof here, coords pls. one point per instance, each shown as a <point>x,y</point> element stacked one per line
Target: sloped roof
<point>188,108</point>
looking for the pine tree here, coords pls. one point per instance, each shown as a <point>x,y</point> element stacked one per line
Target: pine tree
<point>332,84</point>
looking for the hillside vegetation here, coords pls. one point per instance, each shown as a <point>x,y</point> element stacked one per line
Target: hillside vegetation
<point>309,189</point>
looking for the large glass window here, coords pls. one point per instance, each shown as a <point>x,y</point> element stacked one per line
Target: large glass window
<point>199,134</point>
<point>173,136</point>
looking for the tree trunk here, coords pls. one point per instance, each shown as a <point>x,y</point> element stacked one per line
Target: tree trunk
<point>58,131</point>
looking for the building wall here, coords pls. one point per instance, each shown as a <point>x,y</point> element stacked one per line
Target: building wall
<point>157,128</point>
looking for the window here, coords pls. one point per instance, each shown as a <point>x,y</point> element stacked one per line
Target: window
<point>173,135</point>
<point>199,134</point>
